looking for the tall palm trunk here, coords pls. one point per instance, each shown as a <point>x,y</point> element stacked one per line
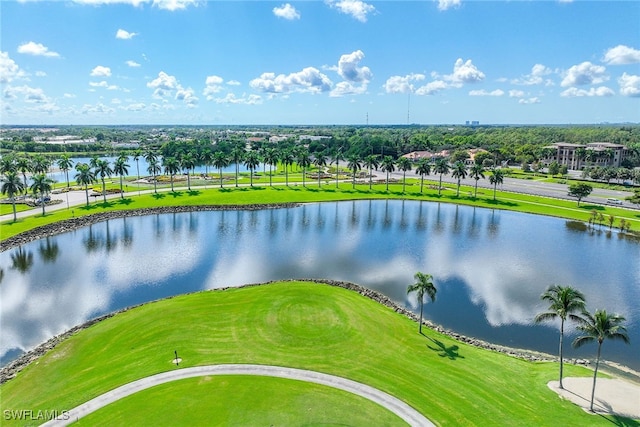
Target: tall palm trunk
<point>595,374</point>
<point>561,335</point>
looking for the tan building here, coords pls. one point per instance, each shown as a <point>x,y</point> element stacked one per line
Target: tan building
<point>579,156</point>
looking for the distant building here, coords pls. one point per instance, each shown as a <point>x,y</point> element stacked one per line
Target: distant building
<point>579,156</point>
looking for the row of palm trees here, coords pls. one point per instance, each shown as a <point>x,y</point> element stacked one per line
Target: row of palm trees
<point>100,169</point>
<point>565,303</point>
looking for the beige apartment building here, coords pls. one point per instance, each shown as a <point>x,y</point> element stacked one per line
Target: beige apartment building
<point>579,156</point>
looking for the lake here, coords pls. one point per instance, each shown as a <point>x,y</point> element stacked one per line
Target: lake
<point>489,267</point>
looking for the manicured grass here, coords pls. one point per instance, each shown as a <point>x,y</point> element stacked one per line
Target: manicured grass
<point>7,208</point>
<point>299,325</point>
<point>242,401</point>
<point>296,193</point>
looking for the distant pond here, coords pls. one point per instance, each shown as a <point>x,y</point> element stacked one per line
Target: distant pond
<point>490,267</point>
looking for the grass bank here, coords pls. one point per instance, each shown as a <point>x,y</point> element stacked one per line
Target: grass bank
<point>300,325</point>
<point>296,193</point>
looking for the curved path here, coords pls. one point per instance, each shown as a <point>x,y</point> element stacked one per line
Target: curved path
<point>398,407</point>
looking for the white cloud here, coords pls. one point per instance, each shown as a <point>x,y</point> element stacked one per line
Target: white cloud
<point>482,92</point>
<point>536,77</point>
<point>575,92</point>
<point>286,11</point>
<point>124,34</point>
<point>621,55</point>
<point>103,84</point>
<point>170,5</point>
<point>101,71</point>
<point>233,83</point>
<point>465,72</point>
<point>402,84</point>
<point>99,108</point>
<point>448,4</point>
<point>309,80</point>
<point>9,70</point>
<point>516,93</point>
<point>187,96</point>
<point>134,107</point>
<point>356,78</point>
<point>132,64</point>
<point>69,95</point>
<point>534,100</point>
<point>432,88</point>
<point>29,94</point>
<point>40,74</point>
<point>163,85</point>
<point>213,85</point>
<point>629,85</point>
<point>356,8</point>
<point>230,98</point>
<point>584,74</point>
<point>37,49</point>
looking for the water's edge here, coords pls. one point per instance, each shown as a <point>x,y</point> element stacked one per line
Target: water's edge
<point>13,368</point>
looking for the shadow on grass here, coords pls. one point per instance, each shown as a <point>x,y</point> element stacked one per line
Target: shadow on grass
<point>450,352</point>
<point>592,207</point>
<point>194,192</point>
<point>159,196</point>
<point>499,202</point>
<point>125,202</point>
<point>618,420</point>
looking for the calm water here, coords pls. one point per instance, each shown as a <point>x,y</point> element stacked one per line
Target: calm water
<point>490,267</point>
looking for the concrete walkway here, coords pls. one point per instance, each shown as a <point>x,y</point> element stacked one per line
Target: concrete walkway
<point>398,407</point>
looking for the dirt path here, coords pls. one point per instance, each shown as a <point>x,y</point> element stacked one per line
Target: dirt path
<point>398,407</point>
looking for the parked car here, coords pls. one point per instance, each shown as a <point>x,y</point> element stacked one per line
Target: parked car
<point>614,201</point>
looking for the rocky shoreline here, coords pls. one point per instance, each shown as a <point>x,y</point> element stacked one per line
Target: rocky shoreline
<point>12,369</point>
<point>86,220</point>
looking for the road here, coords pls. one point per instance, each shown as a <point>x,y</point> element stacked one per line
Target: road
<point>398,407</point>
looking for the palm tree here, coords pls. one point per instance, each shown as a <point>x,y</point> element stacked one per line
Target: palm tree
<point>23,164</point>
<point>371,162</point>
<point>171,167</point>
<point>459,171</point>
<point>220,161</point>
<point>304,160</point>
<point>154,169</point>
<point>8,164</point>
<point>65,163</point>
<point>237,155</point>
<point>271,158</point>
<point>424,285</point>
<point>564,302</point>
<point>206,157</point>
<point>423,168</point>
<point>600,326</point>
<point>40,164</point>
<point>251,161</point>
<point>12,185</point>
<point>103,170</point>
<point>404,165</point>
<point>121,168</point>
<point>441,167</point>
<point>476,172</point>
<point>136,156</point>
<point>496,177</point>
<point>336,159</point>
<point>188,162</point>
<point>85,176</point>
<point>41,185</point>
<point>286,157</point>
<point>388,166</point>
<point>320,161</point>
<point>354,166</point>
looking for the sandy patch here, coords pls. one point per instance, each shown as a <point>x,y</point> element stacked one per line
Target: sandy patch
<point>176,361</point>
<point>613,396</point>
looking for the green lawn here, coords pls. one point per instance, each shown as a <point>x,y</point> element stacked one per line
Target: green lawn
<point>299,325</point>
<point>242,401</point>
<point>296,193</point>
<point>7,208</point>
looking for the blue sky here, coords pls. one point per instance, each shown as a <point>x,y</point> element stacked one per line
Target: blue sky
<point>319,62</point>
